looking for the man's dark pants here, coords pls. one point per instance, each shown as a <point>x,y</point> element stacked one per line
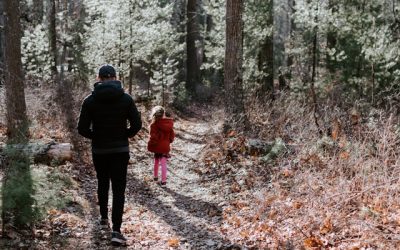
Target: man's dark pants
<point>111,167</point>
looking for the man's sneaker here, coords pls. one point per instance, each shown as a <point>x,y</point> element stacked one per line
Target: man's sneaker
<point>117,239</point>
<point>104,224</point>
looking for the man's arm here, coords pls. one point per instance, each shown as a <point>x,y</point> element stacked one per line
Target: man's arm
<point>135,121</point>
<point>85,121</point>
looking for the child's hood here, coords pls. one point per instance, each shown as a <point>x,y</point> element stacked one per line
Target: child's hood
<point>165,124</point>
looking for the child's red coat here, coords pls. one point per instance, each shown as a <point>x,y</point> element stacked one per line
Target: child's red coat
<point>161,135</point>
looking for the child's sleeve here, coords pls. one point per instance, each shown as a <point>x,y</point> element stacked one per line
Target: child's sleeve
<point>154,138</point>
<point>154,135</point>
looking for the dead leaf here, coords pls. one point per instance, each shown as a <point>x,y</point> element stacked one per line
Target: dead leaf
<point>235,188</point>
<point>312,160</point>
<point>239,204</point>
<point>244,234</point>
<point>313,243</point>
<point>272,214</point>
<point>287,173</point>
<point>297,204</point>
<point>355,116</point>
<point>232,133</point>
<point>327,226</point>
<point>344,155</point>
<point>234,221</point>
<point>173,242</point>
<point>336,129</point>
<point>52,212</point>
<point>264,228</point>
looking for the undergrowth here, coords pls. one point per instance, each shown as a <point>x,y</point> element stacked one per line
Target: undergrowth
<point>339,190</point>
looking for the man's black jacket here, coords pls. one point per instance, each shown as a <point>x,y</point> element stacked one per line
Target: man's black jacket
<point>104,117</point>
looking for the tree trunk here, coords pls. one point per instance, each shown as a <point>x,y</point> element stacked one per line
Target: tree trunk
<point>38,11</point>
<point>234,107</point>
<point>266,61</point>
<point>313,76</point>
<point>290,60</point>
<point>192,67</point>
<point>65,97</point>
<point>19,204</point>
<point>131,71</point>
<point>53,36</point>
<point>14,82</point>
<point>1,42</point>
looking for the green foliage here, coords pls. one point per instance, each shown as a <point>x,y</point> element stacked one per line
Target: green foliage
<point>76,60</point>
<point>50,186</point>
<point>35,52</point>
<point>357,42</point>
<point>365,51</point>
<point>71,29</point>
<point>137,32</point>
<point>18,189</point>
<point>181,100</point>
<point>258,29</point>
<point>215,37</point>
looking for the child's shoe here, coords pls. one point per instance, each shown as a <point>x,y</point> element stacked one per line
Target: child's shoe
<point>155,179</point>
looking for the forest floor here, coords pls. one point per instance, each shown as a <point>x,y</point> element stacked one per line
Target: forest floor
<point>185,214</point>
<point>339,191</point>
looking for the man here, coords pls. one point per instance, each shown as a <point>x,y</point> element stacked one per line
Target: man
<point>103,119</point>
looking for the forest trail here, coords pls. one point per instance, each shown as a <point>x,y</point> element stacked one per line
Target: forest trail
<point>186,214</point>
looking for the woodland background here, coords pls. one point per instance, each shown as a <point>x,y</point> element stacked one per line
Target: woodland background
<point>306,92</point>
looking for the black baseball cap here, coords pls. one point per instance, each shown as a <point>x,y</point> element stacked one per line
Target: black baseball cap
<point>107,71</point>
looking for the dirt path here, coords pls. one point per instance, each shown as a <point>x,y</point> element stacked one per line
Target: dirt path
<point>185,214</point>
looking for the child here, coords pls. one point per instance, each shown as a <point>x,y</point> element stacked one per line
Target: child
<point>161,135</point>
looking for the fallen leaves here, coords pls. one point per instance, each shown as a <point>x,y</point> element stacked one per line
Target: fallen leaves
<point>62,219</point>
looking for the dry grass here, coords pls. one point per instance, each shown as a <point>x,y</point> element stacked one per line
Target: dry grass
<point>341,191</point>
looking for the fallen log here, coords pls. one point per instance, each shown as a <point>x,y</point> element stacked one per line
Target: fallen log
<point>41,152</point>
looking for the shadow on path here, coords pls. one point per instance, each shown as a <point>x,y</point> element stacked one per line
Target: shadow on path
<point>198,208</point>
<point>197,236</point>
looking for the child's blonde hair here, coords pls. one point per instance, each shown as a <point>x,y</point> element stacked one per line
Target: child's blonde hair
<point>156,113</point>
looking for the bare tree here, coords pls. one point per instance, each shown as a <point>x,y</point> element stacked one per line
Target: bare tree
<point>234,106</point>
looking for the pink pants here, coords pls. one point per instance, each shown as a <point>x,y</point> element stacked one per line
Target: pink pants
<point>163,161</point>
